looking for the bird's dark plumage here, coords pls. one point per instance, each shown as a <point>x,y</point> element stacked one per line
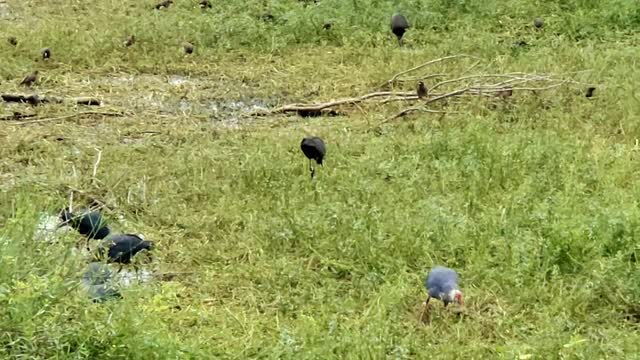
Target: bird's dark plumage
<point>205,4</point>
<point>442,283</point>
<point>129,41</point>
<point>188,47</point>
<point>421,90</point>
<point>12,40</point>
<point>538,23</point>
<point>30,79</point>
<point>163,4</point>
<point>314,149</point>
<point>46,53</point>
<point>123,247</point>
<point>399,26</point>
<point>90,224</point>
<point>590,92</point>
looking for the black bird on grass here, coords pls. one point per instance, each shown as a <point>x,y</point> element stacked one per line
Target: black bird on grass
<point>188,47</point>
<point>46,53</point>
<point>538,23</point>
<point>399,26</point>
<point>205,4</point>
<point>163,4</point>
<point>421,90</point>
<point>12,40</point>
<point>590,91</point>
<point>121,248</point>
<point>130,40</point>
<point>91,224</point>
<point>314,149</point>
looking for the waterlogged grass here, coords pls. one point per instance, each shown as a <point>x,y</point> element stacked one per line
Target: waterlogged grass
<point>533,201</point>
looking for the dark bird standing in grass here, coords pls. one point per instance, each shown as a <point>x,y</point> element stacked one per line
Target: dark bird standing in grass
<point>205,4</point>
<point>314,149</point>
<point>442,283</point>
<point>590,91</point>
<point>91,224</point>
<point>399,26</point>
<point>129,41</point>
<point>421,90</point>
<point>163,4</point>
<point>505,93</point>
<point>46,53</point>
<point>327,25</point>
<point>538,23</point>
<point>30,79</point>
<point>121,248</point>
<point>188,47</point>
<point>12,40</point>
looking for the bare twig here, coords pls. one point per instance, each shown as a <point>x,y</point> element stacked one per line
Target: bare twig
<point>64,117</point>
<point>431,62</point>
<point>37,100</point>
<point>96,163</point>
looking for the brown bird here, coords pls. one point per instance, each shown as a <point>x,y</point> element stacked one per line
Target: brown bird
<point>505,93</point>
<point>188,47</point>
<point>399,25</point>
<point>46,53</point>
<point>538,23</point>
<point>163,4</point>
<point>205,4</point>
<point>590,92</point>
<point>12,40</point>
<point>421,90</point>
<point>30,79</point>
<point>131,39</point>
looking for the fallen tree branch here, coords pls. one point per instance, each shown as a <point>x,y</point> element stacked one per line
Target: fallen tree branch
<point>36,99</point>
<point>485,85</point>
<point>64,117</point>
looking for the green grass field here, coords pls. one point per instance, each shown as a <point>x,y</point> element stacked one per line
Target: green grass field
<point>534,200</point>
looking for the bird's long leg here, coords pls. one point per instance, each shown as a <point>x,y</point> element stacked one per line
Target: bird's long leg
<point>425,308</point>
<point>119,269</point>
<point>312,169</point>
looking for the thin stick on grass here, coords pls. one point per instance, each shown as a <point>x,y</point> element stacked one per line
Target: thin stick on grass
<point>96,163</point>
<point>70,116</point>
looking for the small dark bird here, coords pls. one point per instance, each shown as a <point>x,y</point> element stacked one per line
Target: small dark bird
<point>590,91</point>
<point>123,247</point>
<point>30,79</point>
<point>538,23</point>
<point>505,93</point>
<point>12,40</point>
<point>327,25</point>
<point>46,53</point>
<point>90,223</point>
<point>442,284</point>
<point>163,4</point>
<point>205,4</point>
<point>130,40</point>
<point>399,25</point>
<point>188,47</point>
<point>421,90</point>
<point>314,149</point>
<point>98,282</point>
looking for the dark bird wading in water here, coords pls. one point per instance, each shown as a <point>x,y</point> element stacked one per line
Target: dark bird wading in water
<point>314,149</point>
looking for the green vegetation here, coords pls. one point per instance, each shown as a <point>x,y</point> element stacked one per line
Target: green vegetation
<point>534,202</point>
